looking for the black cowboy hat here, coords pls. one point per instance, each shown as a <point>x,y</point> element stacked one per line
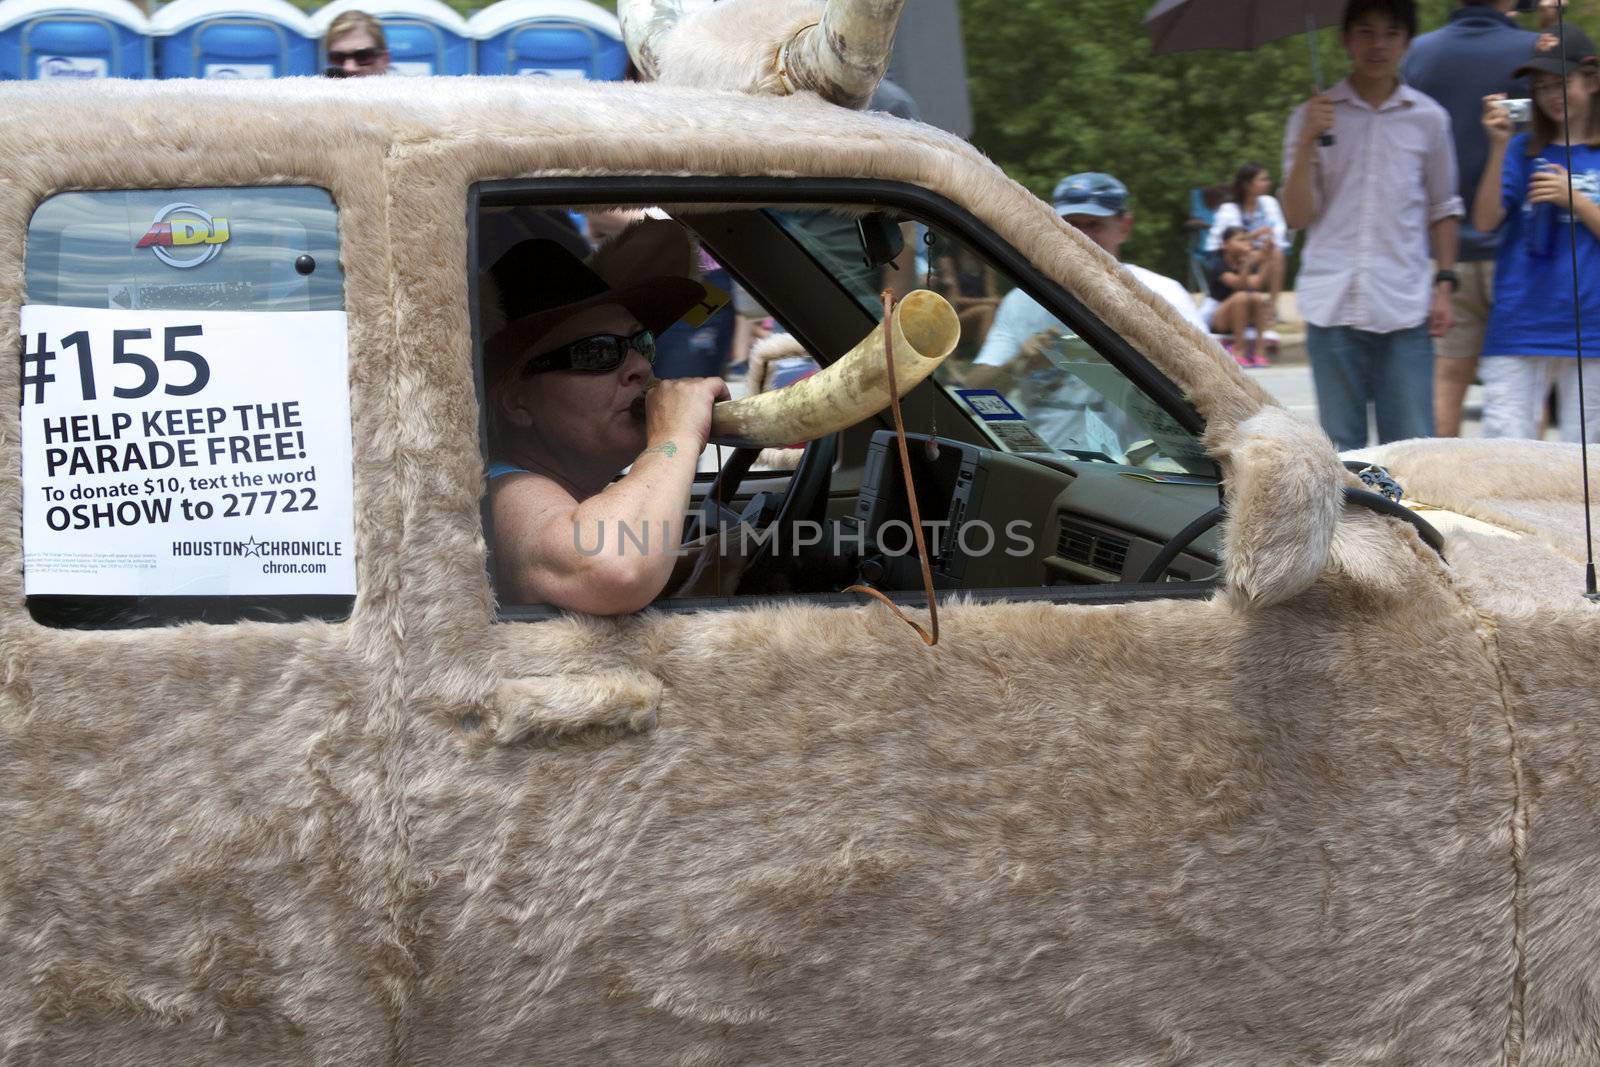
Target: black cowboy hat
<point>644,269</point>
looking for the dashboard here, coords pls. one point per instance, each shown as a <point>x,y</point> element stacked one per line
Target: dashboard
<point>998,520</point>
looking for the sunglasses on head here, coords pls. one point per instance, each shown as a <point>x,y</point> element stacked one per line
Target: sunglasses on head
<point>1110,201</point>
<point>364,57</point>
<point>594,355</point>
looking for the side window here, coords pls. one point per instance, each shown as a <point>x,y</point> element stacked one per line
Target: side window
<point>1040,462</point>
<point>186,448</point>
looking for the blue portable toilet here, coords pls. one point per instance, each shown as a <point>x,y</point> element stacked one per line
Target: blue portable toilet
<point>549,39</point>
<point>232,39</point>
<point>424,36</point>
<point>49,39</point>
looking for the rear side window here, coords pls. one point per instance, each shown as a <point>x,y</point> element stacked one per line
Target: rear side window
<point>186,448</point>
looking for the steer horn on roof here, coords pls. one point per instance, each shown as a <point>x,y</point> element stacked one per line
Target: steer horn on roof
<point>645,23</point>
<point>844,56</point>
<point>839,50</point>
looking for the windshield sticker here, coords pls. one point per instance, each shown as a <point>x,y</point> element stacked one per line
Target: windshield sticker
<point>990,405</point>
<point>185,237</point>
<point>194,453</point>
<point>1017,437</point>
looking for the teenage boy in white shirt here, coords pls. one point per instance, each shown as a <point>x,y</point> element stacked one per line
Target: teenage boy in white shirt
<point>1372,203</point>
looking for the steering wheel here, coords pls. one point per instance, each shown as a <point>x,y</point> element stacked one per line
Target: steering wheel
<point>1361,498</point>
<point>804,498</point>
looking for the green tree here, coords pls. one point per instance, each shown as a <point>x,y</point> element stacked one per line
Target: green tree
<point>1058,88</point>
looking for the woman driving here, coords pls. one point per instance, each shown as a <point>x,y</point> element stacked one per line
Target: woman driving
<point>572,401</point>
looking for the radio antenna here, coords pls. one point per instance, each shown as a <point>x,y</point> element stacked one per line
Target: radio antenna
<point>1577,316</point>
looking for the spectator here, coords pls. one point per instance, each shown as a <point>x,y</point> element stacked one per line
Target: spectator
<point>1097,206</point>
<point>1203,205</point>
<point>964,279</point>
<point>356,46</point>
<point>1028,350</point>
<point>751,326</point>
<point>1458,65</point>
<point>1253,207</point>
<point>1371,203</point>
<point>1530,343</point>
<point>1236,301</point>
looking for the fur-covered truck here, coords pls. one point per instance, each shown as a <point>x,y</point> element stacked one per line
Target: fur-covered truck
<point>1219,759</point>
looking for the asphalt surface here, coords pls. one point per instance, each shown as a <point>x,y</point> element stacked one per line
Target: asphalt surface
<point>1290,383</point>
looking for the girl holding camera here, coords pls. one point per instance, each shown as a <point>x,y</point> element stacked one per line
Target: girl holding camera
<point>1530,344</point>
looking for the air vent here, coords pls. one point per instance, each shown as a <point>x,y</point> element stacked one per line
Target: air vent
<point>1095,548</point>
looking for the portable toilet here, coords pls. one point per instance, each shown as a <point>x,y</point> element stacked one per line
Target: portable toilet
<point>549,39</point>
<point>73,39</point>
<point>232,39</point>
<point>424,36</point>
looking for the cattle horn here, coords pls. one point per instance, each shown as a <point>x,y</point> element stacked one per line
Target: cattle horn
<point>644,24</point>
<point>843,57</point>
<point>854,388</point>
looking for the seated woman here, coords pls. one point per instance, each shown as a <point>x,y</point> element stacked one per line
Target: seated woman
<point>1253,207</point>
<point>1236,304</point>
<point>572,402</point>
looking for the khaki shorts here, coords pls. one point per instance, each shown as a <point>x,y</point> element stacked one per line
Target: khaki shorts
<point>1471,303</point>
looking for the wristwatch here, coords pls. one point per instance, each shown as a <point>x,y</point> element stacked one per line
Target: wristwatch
<point>1447,276</point>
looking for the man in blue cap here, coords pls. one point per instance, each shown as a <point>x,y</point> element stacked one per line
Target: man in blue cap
<point>1096,205</point>
<point>1028,352</point>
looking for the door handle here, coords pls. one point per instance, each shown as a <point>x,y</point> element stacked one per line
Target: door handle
<point>558,705</point>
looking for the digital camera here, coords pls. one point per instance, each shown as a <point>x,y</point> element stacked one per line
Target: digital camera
<point>1519,110</point>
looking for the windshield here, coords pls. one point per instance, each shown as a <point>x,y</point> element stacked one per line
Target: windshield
<point>1032,384</point>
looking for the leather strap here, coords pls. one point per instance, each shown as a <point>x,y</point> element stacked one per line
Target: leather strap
<point>929,639</point>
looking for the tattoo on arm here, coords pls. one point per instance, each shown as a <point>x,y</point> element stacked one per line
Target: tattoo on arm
<point>665,448</point>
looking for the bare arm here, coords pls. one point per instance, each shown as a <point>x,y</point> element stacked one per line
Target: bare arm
<point>613,552</point>
<point>1027,357</point>
<point>1488,211</point>
<point>1298,197</point>
<point>1445,238</point>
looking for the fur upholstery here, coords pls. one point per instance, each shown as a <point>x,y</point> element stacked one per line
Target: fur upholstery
<point>1343,822</point>
<point>1284,502</point>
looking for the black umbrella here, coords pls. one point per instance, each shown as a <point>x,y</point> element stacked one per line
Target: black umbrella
<point>1239,26</point>
<point>1235,25</point>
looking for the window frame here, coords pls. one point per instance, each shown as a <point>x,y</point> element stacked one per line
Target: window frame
<point>63,613</point>
<point>930,207</point>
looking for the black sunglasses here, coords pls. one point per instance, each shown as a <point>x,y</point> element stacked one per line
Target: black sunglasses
<point>594,355</point>
<point>364,57</point>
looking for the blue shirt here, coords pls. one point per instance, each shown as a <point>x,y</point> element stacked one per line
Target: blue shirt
<point>1459,64</point>
<point>1532,314</point>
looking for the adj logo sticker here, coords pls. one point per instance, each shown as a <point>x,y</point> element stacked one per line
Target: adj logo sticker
<point>183,236</point>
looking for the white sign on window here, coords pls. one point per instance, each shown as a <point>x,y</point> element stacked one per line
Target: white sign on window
<point>411,68</point>
<point>186,453</point>
<point>238,71</point>
<point>53,68</point>
<point>568,73</point>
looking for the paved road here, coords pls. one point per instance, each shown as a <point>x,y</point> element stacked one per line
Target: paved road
<point>1291,384</point>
